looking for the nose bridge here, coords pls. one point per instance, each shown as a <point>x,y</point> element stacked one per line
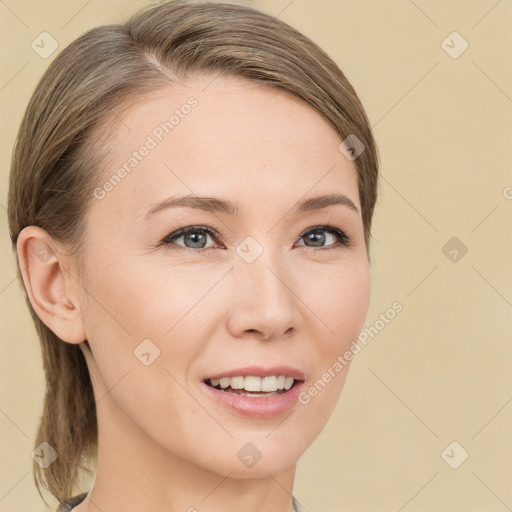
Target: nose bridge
<point>266,301</point>
<point>265,276</point>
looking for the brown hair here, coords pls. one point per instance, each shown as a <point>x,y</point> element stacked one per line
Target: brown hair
<point>60,152</point>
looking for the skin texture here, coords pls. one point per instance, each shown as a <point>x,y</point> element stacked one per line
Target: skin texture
<point>164,445</point>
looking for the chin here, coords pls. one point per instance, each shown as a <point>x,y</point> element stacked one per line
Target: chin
<point>257,458</point>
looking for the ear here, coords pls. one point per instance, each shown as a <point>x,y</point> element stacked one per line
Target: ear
<point>50,287</point>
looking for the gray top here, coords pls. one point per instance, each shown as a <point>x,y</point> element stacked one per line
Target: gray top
<point>68,505</point>
<point>297,507</point>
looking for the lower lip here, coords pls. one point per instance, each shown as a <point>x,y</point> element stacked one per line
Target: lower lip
<point>257,406</point>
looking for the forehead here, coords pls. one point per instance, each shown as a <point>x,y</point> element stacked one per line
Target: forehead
<point>221,137</point>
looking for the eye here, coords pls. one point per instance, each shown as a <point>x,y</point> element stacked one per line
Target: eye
<point>315,236</point>
<point>195,238</point>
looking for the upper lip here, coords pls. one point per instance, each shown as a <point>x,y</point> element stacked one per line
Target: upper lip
<point>259,371</point>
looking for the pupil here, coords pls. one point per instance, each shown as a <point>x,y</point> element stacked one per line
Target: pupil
<point>316,237</point>
<point>195,238</point>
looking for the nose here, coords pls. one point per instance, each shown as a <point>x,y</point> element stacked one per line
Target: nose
<point>265,303</point>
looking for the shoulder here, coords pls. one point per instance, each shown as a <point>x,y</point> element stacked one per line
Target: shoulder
<point>68,505</point>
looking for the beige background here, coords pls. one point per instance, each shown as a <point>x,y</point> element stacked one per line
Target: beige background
<point>440,370</point>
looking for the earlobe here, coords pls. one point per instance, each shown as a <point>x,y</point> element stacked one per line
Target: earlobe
<point>49,289</point>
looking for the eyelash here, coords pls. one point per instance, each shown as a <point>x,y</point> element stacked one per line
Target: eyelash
<point>343,240</point>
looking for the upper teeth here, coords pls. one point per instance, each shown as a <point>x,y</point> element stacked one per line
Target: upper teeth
<point>252,383</point>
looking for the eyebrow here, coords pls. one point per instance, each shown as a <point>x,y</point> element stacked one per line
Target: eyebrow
<point>213,204</point>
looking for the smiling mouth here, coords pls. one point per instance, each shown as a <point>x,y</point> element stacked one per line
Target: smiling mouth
<point>245,392</point>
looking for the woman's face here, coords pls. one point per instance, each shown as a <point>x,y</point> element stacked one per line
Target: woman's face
<point>240,288</point>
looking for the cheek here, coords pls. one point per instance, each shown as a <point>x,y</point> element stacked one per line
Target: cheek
<point>125,319</point>
<point>339,298</point>
<point>129,314</point>
<point>129,302</point>
<point>341,304</point>
<point>145,328</point>
<point>353,300</point>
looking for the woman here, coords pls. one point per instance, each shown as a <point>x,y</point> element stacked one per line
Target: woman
<point>190,202</point>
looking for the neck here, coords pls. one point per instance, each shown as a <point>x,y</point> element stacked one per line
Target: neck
<point>136,473</point>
